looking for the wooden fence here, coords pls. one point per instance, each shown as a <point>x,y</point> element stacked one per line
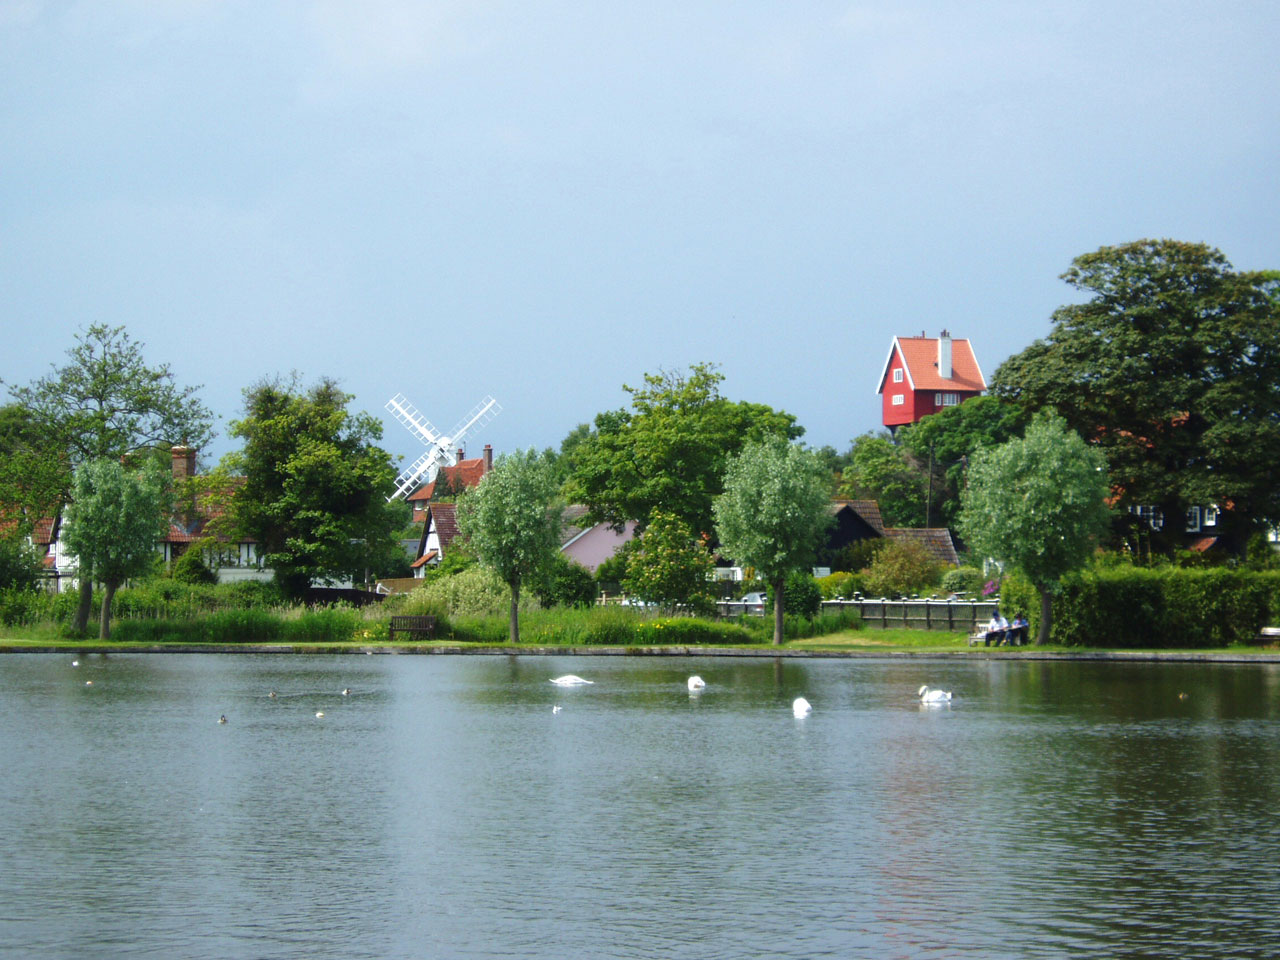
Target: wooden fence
<point>951,615</point>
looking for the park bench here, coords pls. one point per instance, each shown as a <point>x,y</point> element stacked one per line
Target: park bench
<point>417,626</point>
<point>979,635</point>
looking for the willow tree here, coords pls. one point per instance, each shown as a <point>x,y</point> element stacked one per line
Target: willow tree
<point>774,512</point>
<point>1038,505</point>
<point>511,523</point>
<point>114,520</point>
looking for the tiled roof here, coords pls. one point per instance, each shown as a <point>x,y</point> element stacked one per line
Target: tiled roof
<point>425,559</point>
<point>466,472</point>
<point>445,518</point>
<point>937,540</point>
<point>570,526</point>
<point>868,510</point>
<point>920,354</point>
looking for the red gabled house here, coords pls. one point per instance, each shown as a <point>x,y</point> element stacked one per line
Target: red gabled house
<point>924,375</point>
<point>462,475</point>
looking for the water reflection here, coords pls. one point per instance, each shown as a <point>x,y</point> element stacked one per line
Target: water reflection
<point>440,808</point>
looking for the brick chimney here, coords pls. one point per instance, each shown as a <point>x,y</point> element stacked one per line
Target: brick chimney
<point>944,355</point>
<point>488,457</point>
<point>184,463</point>
<point>461,453</point>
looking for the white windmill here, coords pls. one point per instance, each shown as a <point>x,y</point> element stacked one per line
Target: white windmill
<point>440,447</point>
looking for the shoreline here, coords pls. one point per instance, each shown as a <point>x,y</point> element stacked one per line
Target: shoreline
<point>1150,656</point>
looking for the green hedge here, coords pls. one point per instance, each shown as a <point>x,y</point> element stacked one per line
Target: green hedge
<point>1163,607</point>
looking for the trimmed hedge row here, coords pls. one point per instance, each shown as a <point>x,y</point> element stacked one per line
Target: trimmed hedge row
<point>1162,607</point>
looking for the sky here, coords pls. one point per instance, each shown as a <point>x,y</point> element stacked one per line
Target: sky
<point>543,201</point>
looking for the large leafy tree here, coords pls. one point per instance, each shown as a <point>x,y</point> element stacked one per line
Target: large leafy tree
<point>774,512</point>
<point>881,470</point>
<point>105,402</point>
<point>1038,505</point>
<point>512,524</point>
<point>313,482</point>
<point>1171,366</point>
<point>34,471</point>
<point>944,441</point>
<point>113,522</point>
<point>669,451</point>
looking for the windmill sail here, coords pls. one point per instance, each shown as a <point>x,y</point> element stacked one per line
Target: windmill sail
<point>440,447</point>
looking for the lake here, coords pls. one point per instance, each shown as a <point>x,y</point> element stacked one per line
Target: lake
<point>443,808</point>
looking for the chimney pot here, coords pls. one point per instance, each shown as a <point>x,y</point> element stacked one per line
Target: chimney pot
<point>488,457</point>
<point>184,462</point>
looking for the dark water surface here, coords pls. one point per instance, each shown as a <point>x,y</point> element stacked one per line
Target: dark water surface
<point>442,809</point>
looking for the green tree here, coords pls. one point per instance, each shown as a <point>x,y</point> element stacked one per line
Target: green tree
<point>312,493</point>
<point>945,441</point>
<point>1037,505</point>
<point>566,584</point>
<point>773,513</point>
<point>670,566</point>
<point>881,470</point>
<point>19,564</point>
<point>668,452</point>
<point>34,470</point>
<point>1172,369</point>
<point>114,521</point>
<point>106,402</point>
<point>509,520</point>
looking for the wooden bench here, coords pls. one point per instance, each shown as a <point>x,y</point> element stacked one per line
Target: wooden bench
<point>417,626</point>
<point>981,637</point>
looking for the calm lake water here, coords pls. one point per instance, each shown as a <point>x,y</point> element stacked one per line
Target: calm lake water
<point>442,809</point>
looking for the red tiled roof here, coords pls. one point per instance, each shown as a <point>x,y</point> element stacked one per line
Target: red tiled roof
<point>445,518</point>
<point>466,472</point>
<point>425,559</point>
<point>920,354</point>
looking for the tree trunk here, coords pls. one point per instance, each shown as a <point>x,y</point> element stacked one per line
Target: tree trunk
<point>514,631</point>
<point>778,587</point>
<point>1046,616</point>
<point>81,624</point>
<point>104,621</point>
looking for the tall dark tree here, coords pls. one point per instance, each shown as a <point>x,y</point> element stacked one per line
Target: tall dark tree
<point>105,402</point>
<point>314,482</point>
<point>670,450</point>
<point>1172,369</point>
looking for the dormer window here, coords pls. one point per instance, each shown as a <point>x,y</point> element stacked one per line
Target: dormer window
<point>1210,518</point>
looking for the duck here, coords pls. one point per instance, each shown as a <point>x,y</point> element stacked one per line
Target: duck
<point>801,707</point>
<point>272,694</point>
<point>346,691</point>
<point>223,718</point>
<point>570,680</point>
<point>697,683</point>
<point>928,695</point>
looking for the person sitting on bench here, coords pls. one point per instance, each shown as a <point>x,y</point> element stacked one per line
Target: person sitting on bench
<point>1017,632</point>
<point>996,629</point>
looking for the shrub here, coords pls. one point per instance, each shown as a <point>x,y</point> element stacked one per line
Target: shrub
<point>19,564</point>
<point>902,567</point>
<point>801,596</point>
<point>191,568</point>
<point>567,584</point>
<point>473,592</point>
<point>838,584</point>
<point>963,580</point>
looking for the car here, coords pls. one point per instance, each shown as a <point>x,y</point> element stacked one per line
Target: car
<point>755,602</point>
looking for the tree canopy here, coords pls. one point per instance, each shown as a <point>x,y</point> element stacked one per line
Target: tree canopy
<point>880,469</point>
<point>510,522</point>
<point>774,512</point>
<point>1037,504</point>
<point>670,566</point>
<point>113,523</point>
<point>669,451</point>
<point>314,482</point>
<point>1172,368</point>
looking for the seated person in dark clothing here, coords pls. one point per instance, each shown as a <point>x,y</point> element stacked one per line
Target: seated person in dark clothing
<point>996,629</point>
<point>1017,632</point>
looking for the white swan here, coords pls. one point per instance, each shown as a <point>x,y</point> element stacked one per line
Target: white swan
<point>697,683</point>
<point>319,714</point>
<point>928,695</point>
<point>556,708</point>
<point>801,707</point>
<point>570,680</point>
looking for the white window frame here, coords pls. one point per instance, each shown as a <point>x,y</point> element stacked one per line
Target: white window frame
<point>1210,517</point>
<point>1193,519</point>
<point>897,375</point>
<point>898,399</point>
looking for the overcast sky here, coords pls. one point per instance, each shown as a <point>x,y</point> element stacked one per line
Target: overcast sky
<point>542,200</point>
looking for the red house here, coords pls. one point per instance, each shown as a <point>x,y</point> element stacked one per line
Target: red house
<point>926,374</point>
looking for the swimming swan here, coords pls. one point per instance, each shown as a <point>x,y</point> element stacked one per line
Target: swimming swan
<point>801,707</point>
<point>556,708</point>
<point>933,696</point>
<point>570,680</point>
<point>697,683</point>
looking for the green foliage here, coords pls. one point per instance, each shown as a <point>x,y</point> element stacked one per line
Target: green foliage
<point>901,568</point>
<point>858,555</point>
<point>839,584</point>
<point>1127,606</point>
<point>476,591</point>
<point>950,437</point>
<point>19,564</point>
<point>795,627</point>
<point>34,469</point>
<point>670,566</point>
<point>324,625</point>
<point>801,596</point>
<point>774,511</point>
<point>1172,368</point>
<point>611,573</point>
<point>511,524</point>
<point>963,580</point>
<point>191,568</point>
<point>566,584</point>
<point>883,471</point>
<point>312,494</point>
<point>669,451</point>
